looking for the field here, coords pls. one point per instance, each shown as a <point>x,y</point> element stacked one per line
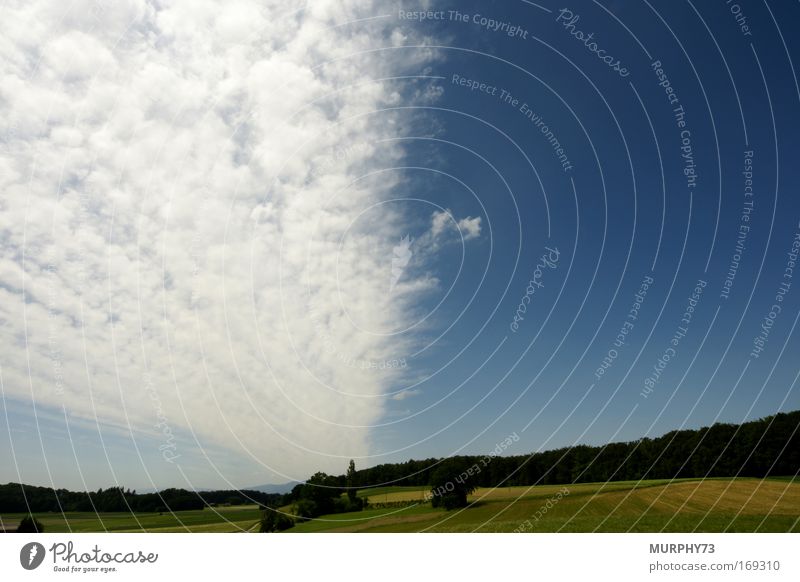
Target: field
<point>711,505</point>
<point>221,519</point>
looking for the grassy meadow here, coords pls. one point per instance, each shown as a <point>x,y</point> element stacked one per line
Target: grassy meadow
<point>711,505</point>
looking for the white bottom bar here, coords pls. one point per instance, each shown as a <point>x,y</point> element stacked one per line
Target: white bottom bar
<point>403,557</point>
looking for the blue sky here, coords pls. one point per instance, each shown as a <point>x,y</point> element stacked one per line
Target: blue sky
<point>251,250</point>
<point>620,238</point>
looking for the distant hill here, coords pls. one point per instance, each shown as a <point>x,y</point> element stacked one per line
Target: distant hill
<point>279,488</point>
<point>273,487</point>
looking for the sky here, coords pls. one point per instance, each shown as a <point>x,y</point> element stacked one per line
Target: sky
<point>246,241</point>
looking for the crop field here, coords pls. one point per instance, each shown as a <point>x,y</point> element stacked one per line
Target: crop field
<point>711,505</point>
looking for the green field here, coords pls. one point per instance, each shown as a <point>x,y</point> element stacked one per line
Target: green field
<point>221,519</point>
<point>711,505</point>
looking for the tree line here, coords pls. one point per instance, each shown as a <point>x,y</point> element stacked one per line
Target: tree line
<point>760,448</point>
<point>18,498</point>
<point>769,446</point>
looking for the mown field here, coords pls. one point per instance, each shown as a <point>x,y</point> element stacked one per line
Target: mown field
<point>712,505</point>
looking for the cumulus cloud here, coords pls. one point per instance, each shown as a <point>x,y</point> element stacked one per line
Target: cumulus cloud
<point>183,226</point>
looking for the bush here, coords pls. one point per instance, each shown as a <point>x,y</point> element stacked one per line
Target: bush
<point>30,525</point>
<point>275,521</point>
<point>305,509</point>
<point>346,505</point>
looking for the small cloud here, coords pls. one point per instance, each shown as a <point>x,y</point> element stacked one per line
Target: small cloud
<point>403,394</point>
<point>470,227</point>
<point>443,221</point>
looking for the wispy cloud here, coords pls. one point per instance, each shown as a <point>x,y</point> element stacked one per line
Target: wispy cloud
<point>403,394</point>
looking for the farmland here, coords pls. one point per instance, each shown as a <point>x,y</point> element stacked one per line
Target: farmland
<point>711,505</point>
<point>224,519</point>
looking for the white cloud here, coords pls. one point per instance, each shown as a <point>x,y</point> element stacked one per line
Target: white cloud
<point>443,222</point>
<point>470,227</point>
<point>181,207</point>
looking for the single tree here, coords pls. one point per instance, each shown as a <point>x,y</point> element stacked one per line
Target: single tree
<point>451,483</point>
<point>351,482</point>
